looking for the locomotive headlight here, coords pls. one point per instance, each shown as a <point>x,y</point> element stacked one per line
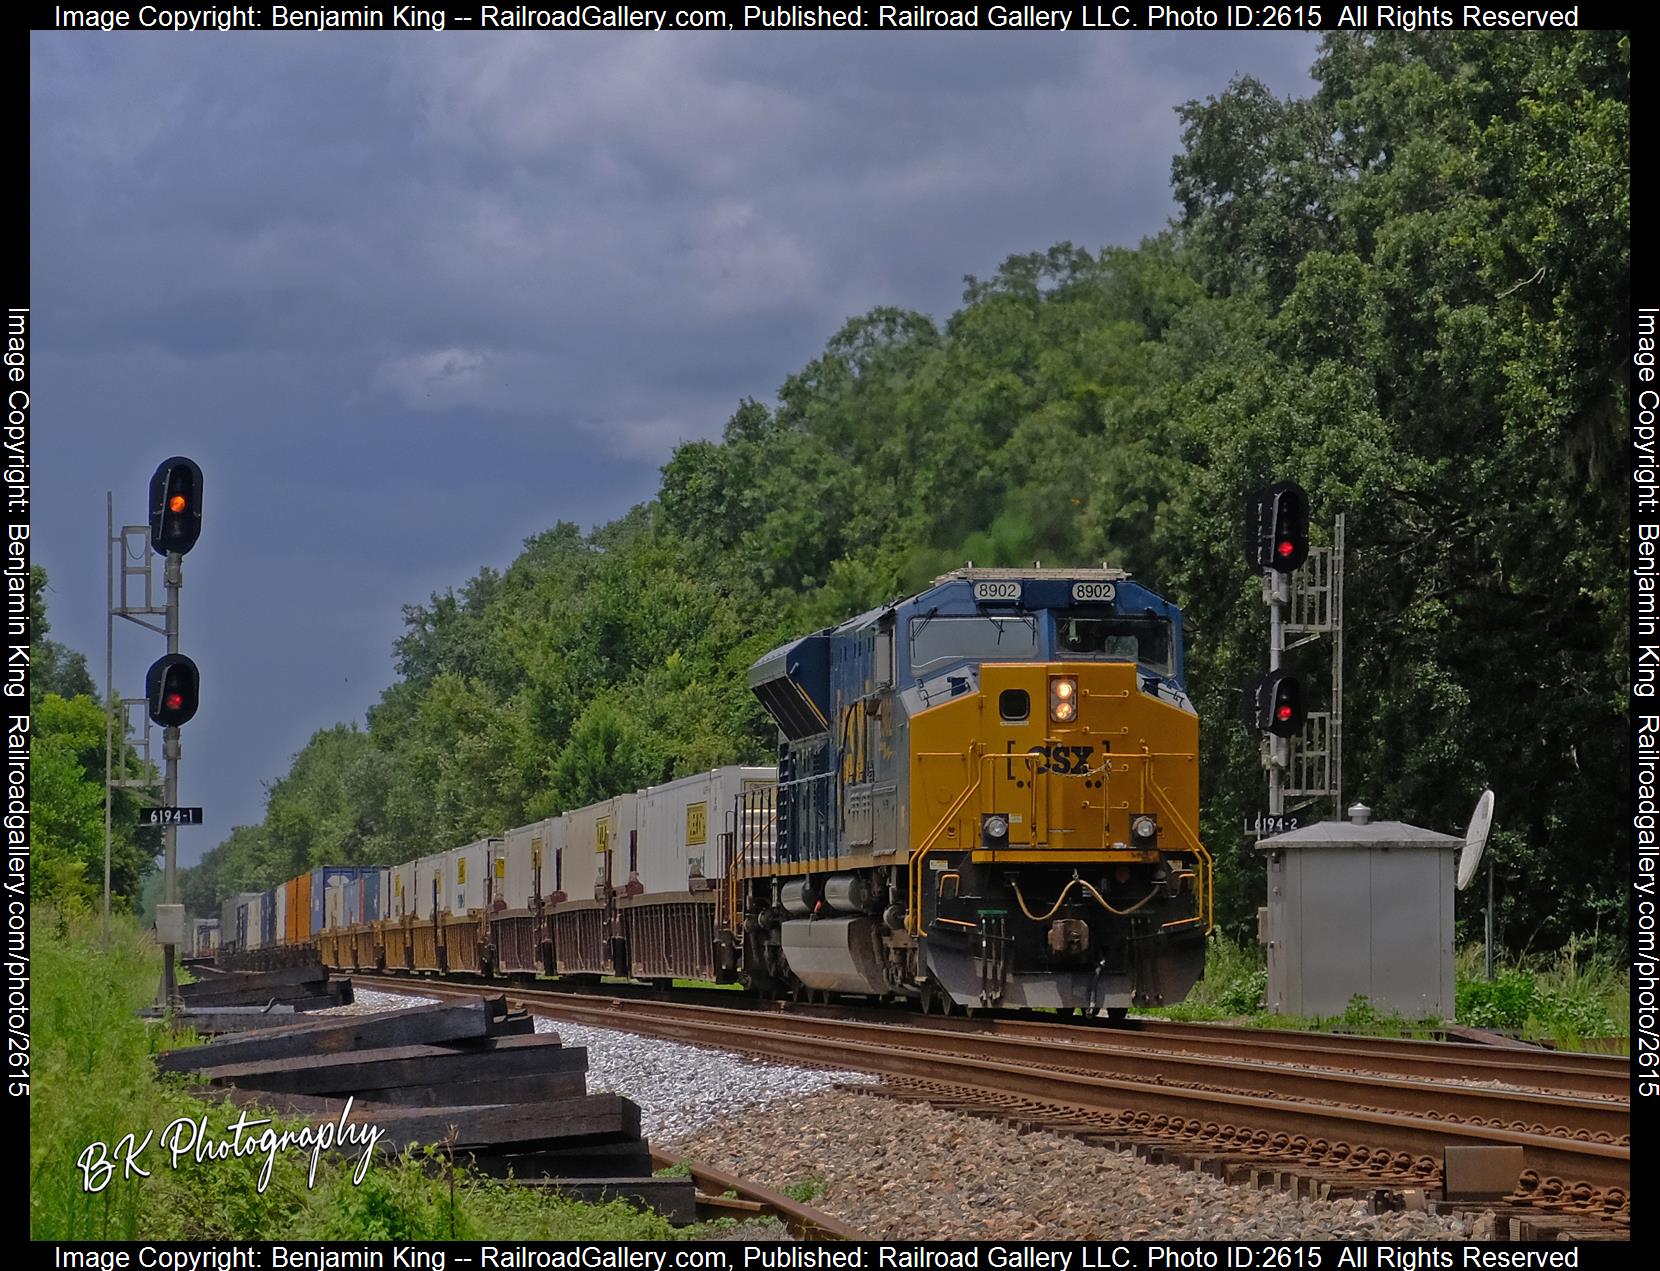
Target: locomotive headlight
<point>1063,699</point>
<point>1145,828</point>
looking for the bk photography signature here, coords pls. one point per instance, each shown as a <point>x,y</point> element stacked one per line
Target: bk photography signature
<point>188,1138</point>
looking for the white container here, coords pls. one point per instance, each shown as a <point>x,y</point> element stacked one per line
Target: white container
<point>280,894</point>
<point>604,831</point>
<point>465,878</point>
<point>250,922</point>
<point>525,855</point>
<point>681,824</point>
<point>400,897</point>
<point>429,876</point>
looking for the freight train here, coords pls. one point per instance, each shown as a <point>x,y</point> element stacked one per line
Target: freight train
<point>985,797</point>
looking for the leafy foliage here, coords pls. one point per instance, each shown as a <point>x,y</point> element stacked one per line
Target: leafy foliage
<point>66,781</point>
<point>1407,292</point>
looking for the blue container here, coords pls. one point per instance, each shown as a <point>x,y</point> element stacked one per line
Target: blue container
<point>324,878</point>
<point>268,935</point>
<point>369,885</point>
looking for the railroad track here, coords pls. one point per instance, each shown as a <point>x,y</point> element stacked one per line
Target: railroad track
<point>1552,1071</point>
<point>1346,1127</point>
<point>723,1195</point>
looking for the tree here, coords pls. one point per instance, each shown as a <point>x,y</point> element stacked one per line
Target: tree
<point>52,667</point>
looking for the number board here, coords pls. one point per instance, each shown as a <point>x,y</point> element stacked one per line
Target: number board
<point>997,592</point>
<point>697,824</point>
<point>172,816</point>
<point>1094,591</point>
<point>602,834</point>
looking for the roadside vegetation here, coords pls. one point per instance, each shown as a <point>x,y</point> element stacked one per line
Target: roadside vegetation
<point>94,1082</point>
<point>1562,999</point>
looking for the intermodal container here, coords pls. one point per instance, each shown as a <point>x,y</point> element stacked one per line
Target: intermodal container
<point>465,878</point>
<point>325,884</point>
<point>678,846</point>
<point>400,900</point>
<point>603,832</point>
<point>299,911</point>
<point>529,858</point>
<point>429,875</point>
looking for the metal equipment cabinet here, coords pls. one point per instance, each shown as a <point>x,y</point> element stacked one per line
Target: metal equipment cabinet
<point>1359,907</point>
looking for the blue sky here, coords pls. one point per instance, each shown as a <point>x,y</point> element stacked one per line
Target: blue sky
<point>362,279</point>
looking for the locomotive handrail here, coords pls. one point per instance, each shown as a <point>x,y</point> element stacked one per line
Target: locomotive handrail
<point>755,810</point>
<point>927,845</point>
<point>1187,832</point>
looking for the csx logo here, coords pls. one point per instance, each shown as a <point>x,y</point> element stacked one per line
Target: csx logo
<point>1066,760</point>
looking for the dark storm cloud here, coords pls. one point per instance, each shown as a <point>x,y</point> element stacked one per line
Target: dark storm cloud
<point>501,276</point>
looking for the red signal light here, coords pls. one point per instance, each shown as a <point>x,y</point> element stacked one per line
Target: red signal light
<point>174,701</point>
<point>1286,548</point>
<point>1283,713</point>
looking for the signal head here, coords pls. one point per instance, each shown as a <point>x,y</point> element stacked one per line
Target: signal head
<point>175,505</point>
<point>1276,527</point>
<point>173,687</point>
<point>1275,705</point>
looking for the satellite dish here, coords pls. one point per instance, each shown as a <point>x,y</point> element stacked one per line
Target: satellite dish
<point>1475,839</point>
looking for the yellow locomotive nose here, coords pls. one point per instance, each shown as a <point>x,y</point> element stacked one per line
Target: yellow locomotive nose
<point>1091,773</point>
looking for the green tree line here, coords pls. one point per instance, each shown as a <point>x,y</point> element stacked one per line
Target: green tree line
<point>66,781</point>
<point>1407,291</point>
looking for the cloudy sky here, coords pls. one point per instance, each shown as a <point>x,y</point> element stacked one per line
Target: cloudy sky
<point>410,298</point>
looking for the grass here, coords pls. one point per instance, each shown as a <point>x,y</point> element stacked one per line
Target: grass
<point>94,1082</point>
<point>1577,993</point>
<point>804,1191</point>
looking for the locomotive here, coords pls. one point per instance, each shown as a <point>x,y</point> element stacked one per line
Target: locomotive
<point>986,798</point>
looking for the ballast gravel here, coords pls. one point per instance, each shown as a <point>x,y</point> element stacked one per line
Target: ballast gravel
<point>372,1002</point>
<point>907,1171</point>
<point>680,1088</point>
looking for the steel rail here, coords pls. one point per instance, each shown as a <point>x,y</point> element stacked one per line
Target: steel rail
<point>1603,1165</point>
<point>1560,1072</point>
<point>803,1221</point>
<point>1548,1070</point>
<point>1294,1075</point>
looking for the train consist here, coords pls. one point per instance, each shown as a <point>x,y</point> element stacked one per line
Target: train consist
<point>986,797</point>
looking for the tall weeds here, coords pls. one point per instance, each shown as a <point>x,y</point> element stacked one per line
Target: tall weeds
<point>94,1081</point>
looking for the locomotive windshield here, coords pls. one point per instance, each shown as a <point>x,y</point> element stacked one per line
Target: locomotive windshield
<point>1116,639</point>
<point>976,637</point>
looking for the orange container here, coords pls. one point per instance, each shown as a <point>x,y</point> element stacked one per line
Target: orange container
<point>290,908</point>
